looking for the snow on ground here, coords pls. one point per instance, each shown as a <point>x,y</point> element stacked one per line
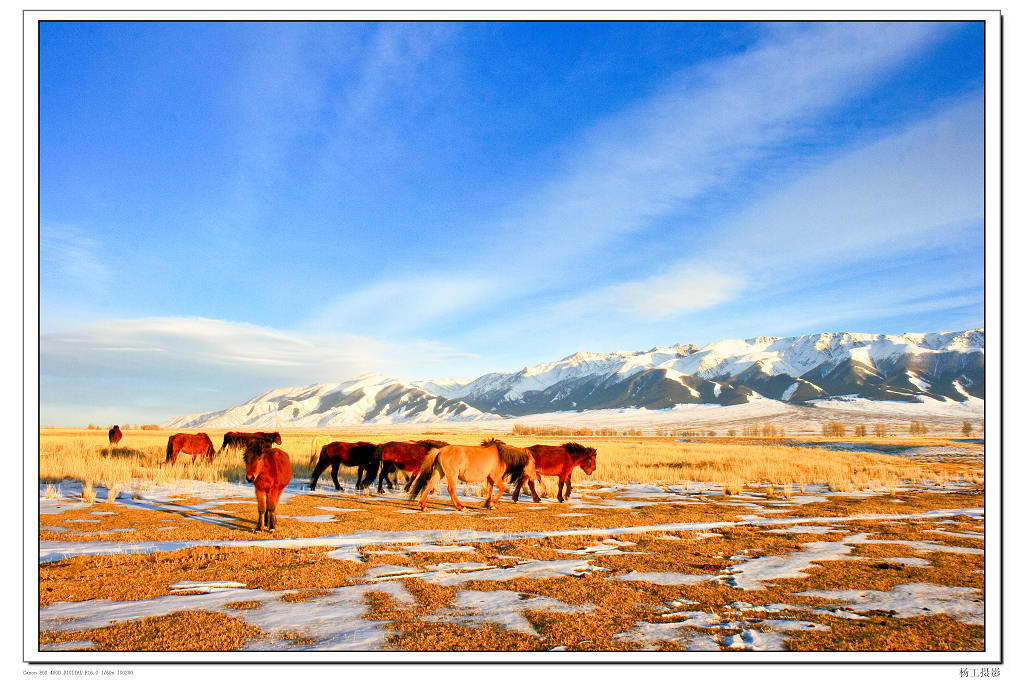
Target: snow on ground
<point>504,608</point>
<point>335,621</point>
<point>913,600</point>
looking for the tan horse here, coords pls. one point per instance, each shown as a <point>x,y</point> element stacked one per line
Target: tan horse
<point>492,462</point>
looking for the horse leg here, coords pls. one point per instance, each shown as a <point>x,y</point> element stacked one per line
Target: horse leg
<point>501,491</point>
<point>533,491</point>
<point>568,486</point>
<point>261,508</point>
<point>321,465</point>
<point>272,499</point>
<point>490,492</point>
<point>561,483</point>
<point>384,467</point>
<point>515,493</point>
<point>334,474</point>
<point>429,488</point>
<point>451,492</point>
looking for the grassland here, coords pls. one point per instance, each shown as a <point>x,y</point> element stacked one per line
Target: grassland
<point>734,463</point>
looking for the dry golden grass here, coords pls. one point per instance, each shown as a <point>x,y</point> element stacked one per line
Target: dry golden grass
<point>731,463</point>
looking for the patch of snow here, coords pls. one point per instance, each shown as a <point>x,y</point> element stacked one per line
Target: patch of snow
<point>650,634</point>
<point>501,607</point>
<point>913,600</point>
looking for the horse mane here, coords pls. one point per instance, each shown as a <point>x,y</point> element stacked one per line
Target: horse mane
<point>575,448</point>
<point>430,443</point>
<point>492,442</point>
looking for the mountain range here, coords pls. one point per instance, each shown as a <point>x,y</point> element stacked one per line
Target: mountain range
<point>945,366</point>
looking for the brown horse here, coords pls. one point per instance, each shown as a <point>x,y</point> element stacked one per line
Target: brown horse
<point>560,461</point>
<point>269,470</point>
<point>492,461</point>
<point>337,453</point>
<point>242,440</point>
<point>114,435</point>
<point>405,456</point>
<point>195,444</point>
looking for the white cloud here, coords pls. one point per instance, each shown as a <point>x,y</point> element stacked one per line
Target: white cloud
<point>162,367</point>
<point>702,131</point>
<point>679,290</point>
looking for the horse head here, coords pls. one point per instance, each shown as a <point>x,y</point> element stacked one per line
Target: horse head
<point>254,459</point>
<point>589,462</point>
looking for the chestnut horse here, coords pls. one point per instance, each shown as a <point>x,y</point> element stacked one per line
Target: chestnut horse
<point>405,456</point>
<point>337,453</point>
<point>196,444</point>
<point>269,470</point>
<point>114,435</point>
<point>242,440</point>
<point>559,461</point>
<point>492,461</point>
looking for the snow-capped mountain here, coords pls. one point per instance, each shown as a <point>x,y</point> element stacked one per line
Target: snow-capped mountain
<point>947,366</point>
<point>368,399</point>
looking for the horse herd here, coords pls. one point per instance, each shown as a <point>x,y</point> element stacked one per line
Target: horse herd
<point>424,462</point>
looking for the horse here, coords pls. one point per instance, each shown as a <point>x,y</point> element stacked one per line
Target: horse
<point>269,470</point>
<point>114,435</point>
<point>559,461</point>
<point>492,461</point>
<point>337,453</point>
<point>196,444</point>
<point>242,440</point>
<point>405,456</point>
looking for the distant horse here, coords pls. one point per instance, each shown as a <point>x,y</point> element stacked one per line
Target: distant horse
<point>559,461</point>
<point>269,470</point>
<point>242,440</point>
<point>337,453</point>
<point>492,461</point>
<point>405,456</point>
<point>195,444</point>
<point>114,435</point>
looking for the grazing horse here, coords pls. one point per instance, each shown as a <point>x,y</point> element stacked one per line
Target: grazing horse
<point>114,435</point>
<point>196,444</point>
<point>405,456</point>
<point>559,461</point>
<point>337,453</point>
<point>492,461</point>
<point>269,470</point>
<point>242,440</point>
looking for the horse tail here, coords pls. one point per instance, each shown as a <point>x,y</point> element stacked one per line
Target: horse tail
<point>170,448</point>
<point>516,460</point>
<point>426,471</point>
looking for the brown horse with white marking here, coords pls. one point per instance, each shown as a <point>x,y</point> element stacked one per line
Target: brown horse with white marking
<point>361,455</point>
<point>406,456</point>
<point>242,440</point>
<point>492,461</point>
<point>193,444</point>
<point>269,470</point>
<point>114,435</point>
<point>560,461</point>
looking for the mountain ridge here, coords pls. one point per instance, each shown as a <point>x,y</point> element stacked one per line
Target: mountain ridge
<point>946,366</point>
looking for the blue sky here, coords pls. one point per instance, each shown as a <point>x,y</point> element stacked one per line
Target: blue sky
<point>231,207</point>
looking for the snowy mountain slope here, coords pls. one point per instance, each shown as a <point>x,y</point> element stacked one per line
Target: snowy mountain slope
<point>945,367</point>
<point>369,399</point>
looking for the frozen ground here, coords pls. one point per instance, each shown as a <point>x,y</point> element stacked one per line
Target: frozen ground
<point>336,621</point>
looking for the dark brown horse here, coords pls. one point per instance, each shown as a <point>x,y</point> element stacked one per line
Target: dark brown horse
<point>242,440</point>
<point>195,444</point>
<point>114,435</point>
<point>560,461</point>
<point>269,470</point>
<point>361,455</point>
<point>491,461</point>
<point>406,456</point>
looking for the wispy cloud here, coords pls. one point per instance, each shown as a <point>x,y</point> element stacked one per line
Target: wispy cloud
<point>701,132</point>
<point>682,289</point>
<point>206,364</point>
